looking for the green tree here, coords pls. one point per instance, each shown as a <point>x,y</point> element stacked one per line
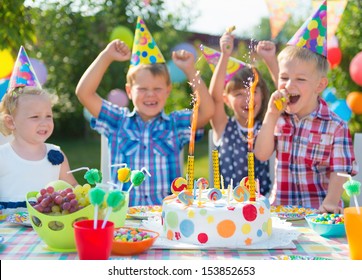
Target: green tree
<point>71,34</point>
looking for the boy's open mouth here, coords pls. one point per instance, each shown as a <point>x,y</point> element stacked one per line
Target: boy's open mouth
<point>293,99</point>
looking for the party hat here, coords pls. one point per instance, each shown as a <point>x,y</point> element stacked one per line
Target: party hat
<point>145,50</point>
<point>23,73</point>
<point>212,57</point>
<point>312,34</point>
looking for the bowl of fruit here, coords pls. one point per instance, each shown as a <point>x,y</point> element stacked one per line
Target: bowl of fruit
<point>327,225</point>
<point>129,241</point>
<point>53,211</point>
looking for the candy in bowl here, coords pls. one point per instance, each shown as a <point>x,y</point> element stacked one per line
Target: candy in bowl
<point>327,225</point>
<point>131,241</point>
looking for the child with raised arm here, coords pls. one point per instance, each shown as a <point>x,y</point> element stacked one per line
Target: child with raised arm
<point>230,132</point>
<point>312,143</point>
<point>145,137</point>
<point>27,162</point>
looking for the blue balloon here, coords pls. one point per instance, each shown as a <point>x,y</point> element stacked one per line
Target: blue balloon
<point>341,108</point>
<point>187,47</point>
<point>4,83</point>
<point>177,75</point>
<point>329,95</point>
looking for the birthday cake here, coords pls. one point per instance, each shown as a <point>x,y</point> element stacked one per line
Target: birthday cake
<point>221,218</point>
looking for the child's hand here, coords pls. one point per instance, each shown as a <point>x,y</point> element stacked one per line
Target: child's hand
<point>266,49</point>
<point>227,43</point>
<point>278,102</point>
<point>118,50</point>
<point>330,208</point>
<point>183,60</point>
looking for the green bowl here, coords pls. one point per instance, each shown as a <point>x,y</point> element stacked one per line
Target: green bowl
<point>57,231</point>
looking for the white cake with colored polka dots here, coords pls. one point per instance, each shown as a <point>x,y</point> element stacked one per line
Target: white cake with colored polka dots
<point>219,223</point>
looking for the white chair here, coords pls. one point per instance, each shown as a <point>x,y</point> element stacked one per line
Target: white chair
<point>357,145</point>
<point>105,160</point>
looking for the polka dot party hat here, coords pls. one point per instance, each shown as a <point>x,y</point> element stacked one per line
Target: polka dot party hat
<point>145,50</point>
<point>23,73</point>
<point>313,33</point>
<point>212,57</point>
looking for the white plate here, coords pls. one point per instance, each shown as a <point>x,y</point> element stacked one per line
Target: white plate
<point>19,218</point>
<point>144,212</point>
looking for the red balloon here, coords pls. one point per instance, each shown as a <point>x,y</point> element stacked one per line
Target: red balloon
<point>355,69</point>
<point>334,56</point>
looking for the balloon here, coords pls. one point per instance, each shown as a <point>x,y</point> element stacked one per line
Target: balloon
<point>329,95</point>
<point>4,83</point>
<point>334,56</point>
<point>124,34</point>
<point>187,47</point>
<point>355,69</point>
<point>354,102</point>
<point>118,97</point>
<point>6,63</point>
<point>40,70</point>
<point>87,115</point>
<point>177,75</point>
<point>340,108</point>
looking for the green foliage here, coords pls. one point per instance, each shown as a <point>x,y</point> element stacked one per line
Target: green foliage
<point>16,26</point>
<point>350,42</point>
<point>70,35</point>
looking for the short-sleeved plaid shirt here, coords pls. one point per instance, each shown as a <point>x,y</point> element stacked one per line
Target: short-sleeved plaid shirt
<point>155,145</point>
<point>308,151</point>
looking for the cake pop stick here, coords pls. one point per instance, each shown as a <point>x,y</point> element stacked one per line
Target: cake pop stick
<point>96,197</point>
<point>230,29</point>
<point>114,199</point>
<point>352,187</point>
<point>137,177</point>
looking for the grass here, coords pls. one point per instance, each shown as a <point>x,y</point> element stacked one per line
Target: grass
<point>87,152</point>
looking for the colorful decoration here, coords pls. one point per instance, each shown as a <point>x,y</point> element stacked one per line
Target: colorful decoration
<point>280,11</point>
<point>40,70</point>
<point>145,50</point>
<point>23,73</point>
<point>114,199</point>
<point>178,185</point>
<point>312,34</point>
<point>93,176</point>
<point>334,14</point>
<point>215,168</point>
<point>214,194</point>
<point>355,69</point>
<point>137,177</point>
<point>354,102</point>
<point>353,188</point>
<point>202,183</point>
<point>186,197</point>
<point>212,57</point>
<point>96,197</point>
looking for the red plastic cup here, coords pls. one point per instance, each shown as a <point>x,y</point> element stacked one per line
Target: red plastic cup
<point>93,244</point>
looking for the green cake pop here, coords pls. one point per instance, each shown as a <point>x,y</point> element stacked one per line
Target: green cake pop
<point>137,177</point>
<point>353,188</point>
<point>114,199</point>
<point>96,197</point>
<point>93,176</point>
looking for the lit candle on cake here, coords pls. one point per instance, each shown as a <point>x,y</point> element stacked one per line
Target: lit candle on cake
<point>251,177</point>
<point>190,158</point>
<point>215,167</point>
